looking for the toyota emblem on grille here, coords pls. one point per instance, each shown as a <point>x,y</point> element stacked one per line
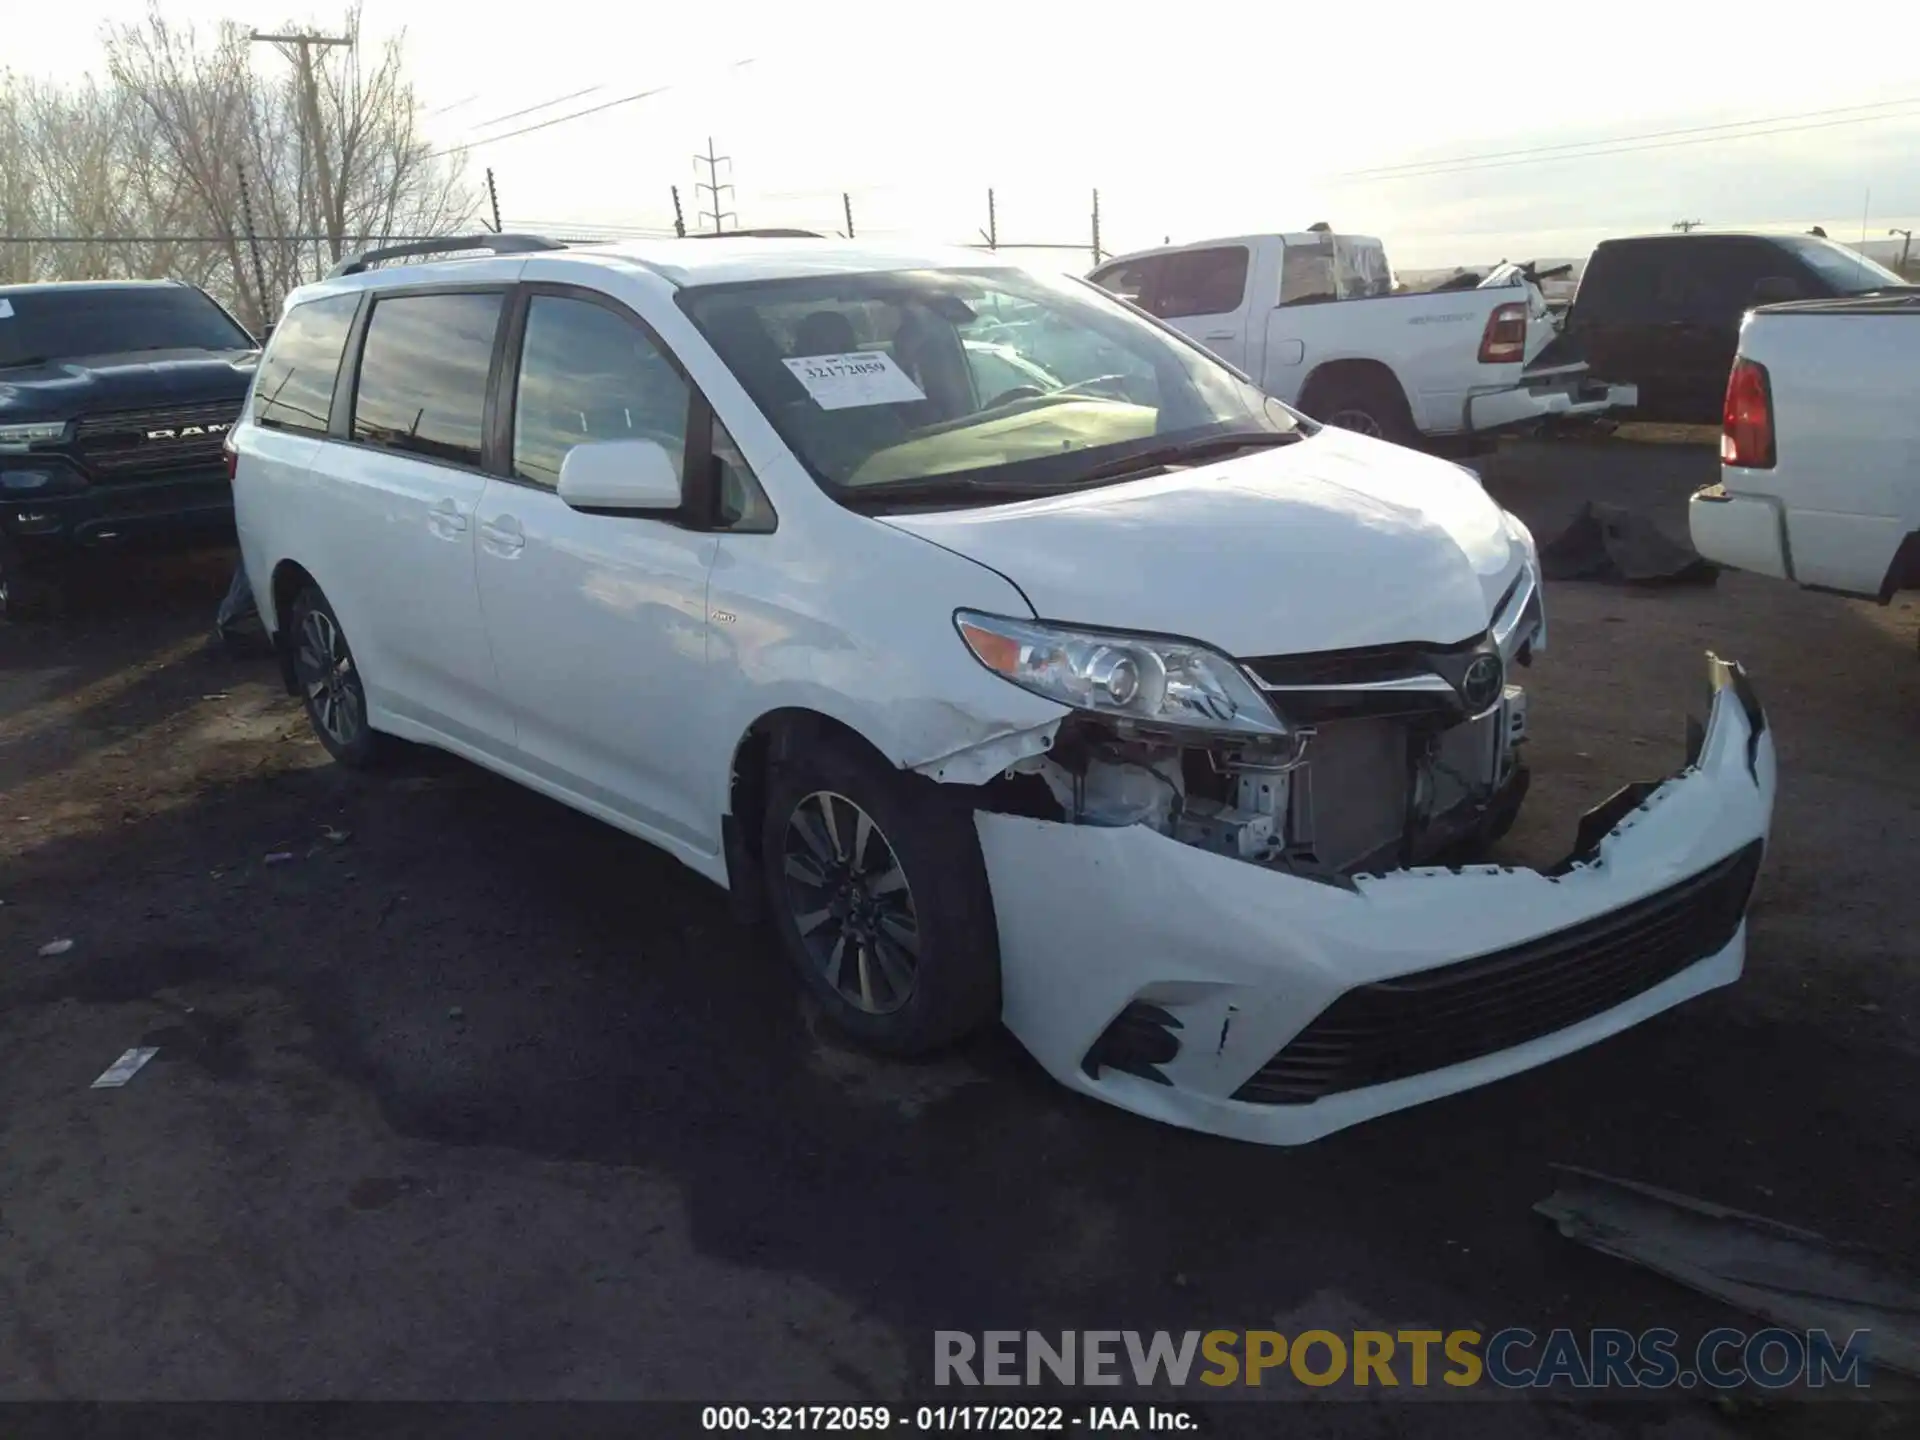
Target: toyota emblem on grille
<point>1480,687</point>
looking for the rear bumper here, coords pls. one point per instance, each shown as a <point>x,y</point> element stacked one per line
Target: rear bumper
<point>179,512</point>
<point>1547,397</point>
<point>1742,532</point>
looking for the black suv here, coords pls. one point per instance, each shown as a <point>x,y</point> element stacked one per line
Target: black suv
<point>115,398</point>
<point>1663,311</point>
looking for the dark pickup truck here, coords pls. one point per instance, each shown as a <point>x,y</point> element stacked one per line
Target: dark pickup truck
<point>115,398</point>
<point>1663,312</point>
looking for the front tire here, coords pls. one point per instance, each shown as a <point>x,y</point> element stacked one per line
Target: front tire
<point>27,593</point>
<point>330,683</point>
<point>1366,405</point>
<point>879,898</point>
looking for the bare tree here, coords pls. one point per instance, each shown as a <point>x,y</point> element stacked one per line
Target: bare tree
<point>330,148</point>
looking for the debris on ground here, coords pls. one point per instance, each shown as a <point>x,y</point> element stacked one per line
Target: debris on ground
<point>1613,543</point>
<point>279,857</point>
<point>125,1068</point>
<point>456,1012</point>
<point>1783,1274</point>
<point>338,837</point>
<point>56,947</point>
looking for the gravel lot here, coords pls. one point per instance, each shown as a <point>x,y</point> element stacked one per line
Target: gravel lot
<point>485,1099</point>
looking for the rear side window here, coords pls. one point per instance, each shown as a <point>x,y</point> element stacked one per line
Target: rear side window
<point>1202,282</point>
<point>1620,283</point>
<point>423,375</point>
<point>294,390</point>
<point>587,373</point>
<point>1132,281</point>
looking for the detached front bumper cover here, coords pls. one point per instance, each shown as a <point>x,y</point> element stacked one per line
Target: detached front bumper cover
<point>1219,995</point>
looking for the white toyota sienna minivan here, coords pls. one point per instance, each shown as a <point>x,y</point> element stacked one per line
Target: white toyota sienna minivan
<point>1014,657</point>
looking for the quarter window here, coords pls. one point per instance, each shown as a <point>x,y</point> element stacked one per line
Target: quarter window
<point>588,373</point>
<point>423,375</point>
<point>294,390</point>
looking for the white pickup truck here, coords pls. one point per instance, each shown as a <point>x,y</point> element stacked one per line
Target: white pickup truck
<point>1820,454</point>
<point>1314,320</point>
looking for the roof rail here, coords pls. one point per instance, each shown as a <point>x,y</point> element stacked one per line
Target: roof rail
<point>489,240</point>
<point>765,234</point>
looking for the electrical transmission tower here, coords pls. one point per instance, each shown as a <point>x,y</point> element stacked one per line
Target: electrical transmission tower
<point>713,186</point>
<point>1687,227</point>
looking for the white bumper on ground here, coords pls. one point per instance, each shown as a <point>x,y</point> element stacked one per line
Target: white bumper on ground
<point>1548,399</point>
<point>1742,532</point>
<point>1099,926</point>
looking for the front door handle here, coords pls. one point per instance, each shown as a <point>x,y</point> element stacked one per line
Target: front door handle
<point>503,536</point>
<point>1223,335</point>
<point>446,521</point>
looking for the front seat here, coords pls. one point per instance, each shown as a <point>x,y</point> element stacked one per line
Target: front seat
<point>825,332</point>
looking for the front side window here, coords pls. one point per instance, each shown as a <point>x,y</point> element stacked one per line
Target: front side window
<point>294,390</point>
<point>588,373</point>
<point>423,375</point>
<point>1032,380</point>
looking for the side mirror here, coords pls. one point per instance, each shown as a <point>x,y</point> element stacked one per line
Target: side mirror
<point>1776,288</point>
<point>622,475</point>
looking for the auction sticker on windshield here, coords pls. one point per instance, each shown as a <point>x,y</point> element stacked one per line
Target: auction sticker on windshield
<point>865,377</point>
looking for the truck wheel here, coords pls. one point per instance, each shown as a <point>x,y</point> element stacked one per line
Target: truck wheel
<point>880,900</point>
<point>1366,405</point>
<point>330,683</point>
<point>27,593</point>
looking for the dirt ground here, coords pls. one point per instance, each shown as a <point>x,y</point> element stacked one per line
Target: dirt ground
<point>475,1097</point>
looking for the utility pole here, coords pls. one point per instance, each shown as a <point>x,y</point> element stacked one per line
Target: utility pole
<point>719,214</point>
<point>299,49</point>
<point>493,199</point>
<point>992,233</point>
<point>1686,227</point>
<point>1098,254</point>
<point>679,221</point>
<point>253,244</point>
<point>1905,249</point>
<point>846,204</point>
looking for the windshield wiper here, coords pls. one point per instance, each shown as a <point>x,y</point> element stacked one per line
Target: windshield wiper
<point>24,361</point>
<point>1186,452</point>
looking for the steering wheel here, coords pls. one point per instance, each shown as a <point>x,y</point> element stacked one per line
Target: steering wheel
<point>1018,392</point>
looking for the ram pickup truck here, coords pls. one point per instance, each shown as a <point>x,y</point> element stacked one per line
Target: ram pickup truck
<point>1820,448</point>
<point>1314,320</point>
<point>115,398</point>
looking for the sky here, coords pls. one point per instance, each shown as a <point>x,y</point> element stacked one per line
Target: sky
<point>1195,120</point>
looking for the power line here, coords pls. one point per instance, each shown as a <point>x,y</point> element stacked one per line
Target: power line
<point>543,105</point>
<point>1629,144</point>
<point>563,119</point>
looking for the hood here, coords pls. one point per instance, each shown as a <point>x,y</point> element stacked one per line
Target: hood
<point>1337,542</point>
<point>143,380</point>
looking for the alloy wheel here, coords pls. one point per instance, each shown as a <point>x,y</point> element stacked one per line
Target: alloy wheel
<point>851,902</point>
<point>325,669</point>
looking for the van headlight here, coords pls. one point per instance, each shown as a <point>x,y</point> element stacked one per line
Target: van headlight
<point>1147,678</point>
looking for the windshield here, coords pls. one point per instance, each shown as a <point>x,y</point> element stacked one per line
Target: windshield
<point>877,379</point>
<point>55,324</point>
<point>1848,271</point>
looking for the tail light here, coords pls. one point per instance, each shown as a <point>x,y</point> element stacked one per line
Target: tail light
<point>1746,432</point>
<point>232,451</point>
<point>1505,338</point>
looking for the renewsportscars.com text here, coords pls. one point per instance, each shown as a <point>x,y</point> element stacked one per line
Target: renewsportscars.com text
<point>1513,1358</point>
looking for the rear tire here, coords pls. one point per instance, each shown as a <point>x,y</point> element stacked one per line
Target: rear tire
<point>329,682</point>
<point>879,898</point>
<point>27,592</point>
<point>1366,405</point>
